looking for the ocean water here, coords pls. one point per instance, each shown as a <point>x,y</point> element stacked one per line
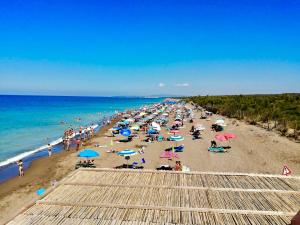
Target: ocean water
<point>28,122</point>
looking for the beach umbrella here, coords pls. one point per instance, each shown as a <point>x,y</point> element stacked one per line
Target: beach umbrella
<point>156,126</point>
<point>229,136</point>
<point>125,132</point>
<point>135,127</point>
<point>40,191</point>
<point>225,137</point>
<point>127,152</point>
<point>221,137</point>
<point>142,114</point>
<point>220,122</point>
<point>152,131</point>
<point>126,115</point>
<point>176,138</point>
<point>176,122</point>
<point>199,127</point>
<point>126,122</point>
<point>174,131</point>
<point>88,153</point>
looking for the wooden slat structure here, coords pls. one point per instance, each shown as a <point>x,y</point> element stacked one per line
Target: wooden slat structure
<point>140,197</point>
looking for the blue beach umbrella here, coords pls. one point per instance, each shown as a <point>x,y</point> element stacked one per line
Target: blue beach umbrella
<point>152,131</point>
<point>88,153</point>
<point>40,191</point>
<point>127,152</point>
<point>125,132</point>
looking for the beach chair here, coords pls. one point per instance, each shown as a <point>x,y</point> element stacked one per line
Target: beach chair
<point>216,149</point>
<point>164,167</point>
<point>179,148</point>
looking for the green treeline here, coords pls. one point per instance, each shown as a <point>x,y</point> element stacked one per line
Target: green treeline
<point>280,111</point>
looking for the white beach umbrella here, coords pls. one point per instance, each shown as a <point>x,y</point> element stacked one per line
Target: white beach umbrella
<point>156,126</point>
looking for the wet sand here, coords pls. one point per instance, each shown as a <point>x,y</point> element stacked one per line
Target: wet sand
<point>255,150</point>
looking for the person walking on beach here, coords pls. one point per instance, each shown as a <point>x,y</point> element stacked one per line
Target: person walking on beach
<point>67,144</point>
<point>80,132</point>
<point>49,150</point>
<point>92,131</point>
<point>77,144</point>
<point>21,169</point>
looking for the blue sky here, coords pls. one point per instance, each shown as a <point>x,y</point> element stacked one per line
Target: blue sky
<point>149,47</point>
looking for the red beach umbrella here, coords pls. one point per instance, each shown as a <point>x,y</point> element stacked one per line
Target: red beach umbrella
<point>174,131</point>
<point>229,136</point>
<point>221,137</point>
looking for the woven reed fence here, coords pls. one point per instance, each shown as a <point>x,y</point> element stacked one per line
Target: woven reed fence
<point>127,197</point>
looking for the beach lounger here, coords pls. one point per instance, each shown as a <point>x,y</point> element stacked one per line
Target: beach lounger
<point>169,155</point>
<point>125,166</point>
<point>164,167</point>
<point>179,148</point>
<point>216,149</point>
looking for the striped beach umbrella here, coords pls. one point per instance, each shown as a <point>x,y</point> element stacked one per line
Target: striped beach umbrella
<point>174,131</point>
<point>127,152</point>
<point>176,138</point>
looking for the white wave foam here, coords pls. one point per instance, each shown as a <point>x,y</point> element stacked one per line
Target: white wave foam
<point>26,154</point>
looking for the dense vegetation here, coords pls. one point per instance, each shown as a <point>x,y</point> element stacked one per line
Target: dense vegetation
<point>281,111</point>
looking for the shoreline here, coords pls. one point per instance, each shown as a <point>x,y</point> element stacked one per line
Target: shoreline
<point>8,167</point>
<point>43,172</point>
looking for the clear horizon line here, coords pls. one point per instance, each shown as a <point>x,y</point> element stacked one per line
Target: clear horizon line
<point>92,96</point>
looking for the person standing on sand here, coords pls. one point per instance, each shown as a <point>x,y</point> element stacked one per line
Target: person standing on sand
<point>92,131</point>
<point>49,150</point>
<point>67,144</point>
<point>178,166</point>
<point>80,132</point>
<point>77,144</point>
<point>21,169</point>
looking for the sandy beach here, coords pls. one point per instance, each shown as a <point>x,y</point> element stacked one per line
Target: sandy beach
<point>255,150</point>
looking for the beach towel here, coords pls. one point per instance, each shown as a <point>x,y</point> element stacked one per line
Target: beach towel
<point>185,169</point>
<point>216,149</point>
<point>179,148</point>
<point>166,154</point>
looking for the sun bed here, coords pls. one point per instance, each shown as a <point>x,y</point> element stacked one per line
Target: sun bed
<point>216,149</point>
<point>164,167</point>
<point>179,148</point>
<point>166,154</point>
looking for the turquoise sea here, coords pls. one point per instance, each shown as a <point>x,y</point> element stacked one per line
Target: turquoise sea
<point>29,122</point>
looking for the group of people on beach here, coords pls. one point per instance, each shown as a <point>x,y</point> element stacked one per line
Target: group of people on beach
<point>84,133</point>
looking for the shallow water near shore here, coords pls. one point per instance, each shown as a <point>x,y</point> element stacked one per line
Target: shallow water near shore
<point>29,122</point>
